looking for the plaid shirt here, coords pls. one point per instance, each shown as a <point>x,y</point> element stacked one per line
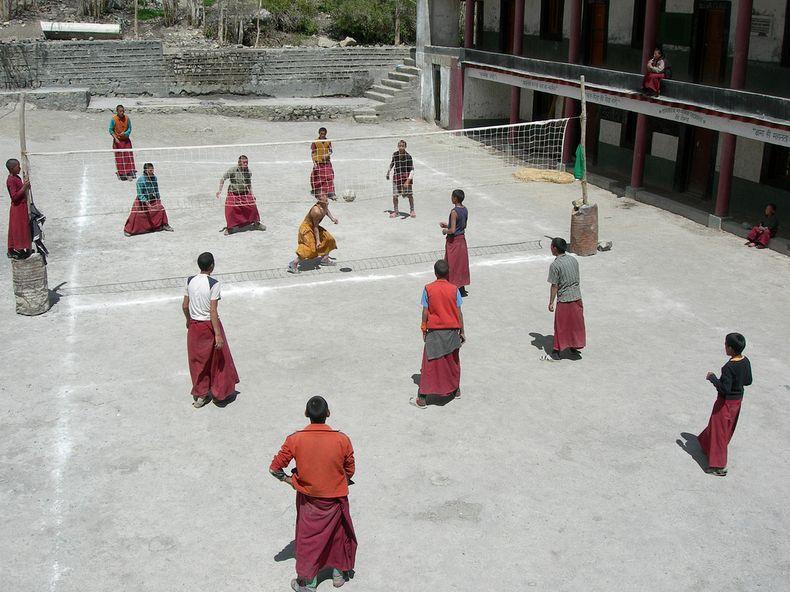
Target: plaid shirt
<point>564,271</point>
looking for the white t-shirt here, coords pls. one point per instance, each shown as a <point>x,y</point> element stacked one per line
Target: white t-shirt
<point>201,289</point>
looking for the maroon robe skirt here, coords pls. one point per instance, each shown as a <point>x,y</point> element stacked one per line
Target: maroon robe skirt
<point>19,227</point>
<point>457,257</point>
<point>213,371</point>
<point>324,535</point>
<point>652,81</point>
<point>147,216</point>
<point>569,326</point>
<point>714,439</point>
<point>240,210</point>
<point>441,376</point>
<point>124,161</point>
<point>322,179</point>
<point>762,237</point>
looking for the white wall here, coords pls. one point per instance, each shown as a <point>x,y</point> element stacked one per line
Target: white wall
<point>491,15</point>
<point>532,17</point>
<point>444,120</point>
<point>484,99</point>
<point>444,22</point>
<point>621,22</point>
<point>664,146</point>
<point>610,132</point>
<point>766,49</point>
<point>748,159</point>
<point>527,98</point>
<point>685,6</point>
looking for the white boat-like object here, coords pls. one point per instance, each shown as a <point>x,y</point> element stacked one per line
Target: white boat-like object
<point>53,30</point>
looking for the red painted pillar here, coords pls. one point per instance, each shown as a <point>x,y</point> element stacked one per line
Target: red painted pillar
<point>740,57</point>
<point>469,23</point>
<point>640,141</point>
<point>518,46</point>
<point>571,108</point>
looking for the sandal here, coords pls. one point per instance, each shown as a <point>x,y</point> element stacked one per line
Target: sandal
<point>414,401</point>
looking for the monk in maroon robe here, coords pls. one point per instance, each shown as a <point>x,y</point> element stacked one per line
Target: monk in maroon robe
<point>455,251</point>
<point>324,466</point>
<point>211,365</point>
<point>735,375</point>
<point>20,245</point>
<point>443,333</point>
<point>148,214</point>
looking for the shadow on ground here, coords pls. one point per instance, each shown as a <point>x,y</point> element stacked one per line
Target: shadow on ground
<point>693,449</point>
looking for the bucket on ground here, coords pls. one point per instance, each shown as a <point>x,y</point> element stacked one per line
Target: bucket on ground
<point>31,290</point>
<point>584,230</point>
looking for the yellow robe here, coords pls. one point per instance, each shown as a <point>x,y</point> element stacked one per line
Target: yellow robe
<point>306,248</point>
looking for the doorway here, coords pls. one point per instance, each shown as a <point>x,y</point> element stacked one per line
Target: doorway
<point>711,31</point>
<point>596,32</point>
<point>507,21</point>
<point>698,158</point>
<point>437,93</point>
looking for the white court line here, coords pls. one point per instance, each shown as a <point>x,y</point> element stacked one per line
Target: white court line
<point>63,442</point>
<point>260,290</point>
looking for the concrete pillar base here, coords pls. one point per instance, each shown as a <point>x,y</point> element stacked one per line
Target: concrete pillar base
<point>715,221</point>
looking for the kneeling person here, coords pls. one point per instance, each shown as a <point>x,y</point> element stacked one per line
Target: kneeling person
<point>148,214</point>
<point>313,239</point>
<point>210,363</point>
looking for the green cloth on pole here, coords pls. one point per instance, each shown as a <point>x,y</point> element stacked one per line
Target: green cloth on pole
<point>578,167</point>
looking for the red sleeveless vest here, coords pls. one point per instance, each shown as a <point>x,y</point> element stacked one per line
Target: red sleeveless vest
<point>443,310</point>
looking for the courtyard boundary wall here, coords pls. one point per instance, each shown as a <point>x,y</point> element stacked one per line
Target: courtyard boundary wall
<point>135,68</point>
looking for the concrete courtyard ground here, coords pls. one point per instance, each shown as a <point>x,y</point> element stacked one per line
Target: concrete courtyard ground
<point>544,476</point>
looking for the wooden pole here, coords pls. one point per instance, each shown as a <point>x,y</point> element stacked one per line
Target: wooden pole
<point>135,19</point>
<point>23,145</point>
<point>583,123</point>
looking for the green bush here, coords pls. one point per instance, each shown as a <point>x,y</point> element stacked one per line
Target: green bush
<point>372,21</point>
<point>293,16</point>
<point>146,14</point>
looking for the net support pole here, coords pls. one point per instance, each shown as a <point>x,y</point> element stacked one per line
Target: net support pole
<point>23,144</point>
<point>29,276</point>
<point>135,18</point>
<point>584,218</point>
<point>583,123</point>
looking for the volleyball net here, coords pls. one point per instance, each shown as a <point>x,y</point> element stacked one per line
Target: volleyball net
<point>189,176</point>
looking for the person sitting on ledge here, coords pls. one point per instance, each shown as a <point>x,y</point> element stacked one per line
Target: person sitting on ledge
<point>762,234</point>
<point>656,66</point>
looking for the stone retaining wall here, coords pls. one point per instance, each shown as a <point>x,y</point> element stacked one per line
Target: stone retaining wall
<point>132,68</point>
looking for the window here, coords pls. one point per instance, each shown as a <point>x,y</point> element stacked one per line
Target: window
<point>786,39</point>
<point>776,167</point>
<point>479,24</point>
<point>551,12</point>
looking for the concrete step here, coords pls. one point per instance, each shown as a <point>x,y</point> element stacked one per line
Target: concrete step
<point>410,62</point>
<point>414,71</point>
<point>384,90</point>
<point>399,84</point>
<point>366,118</point>
<point>381,98</point>
<point>401,76</point>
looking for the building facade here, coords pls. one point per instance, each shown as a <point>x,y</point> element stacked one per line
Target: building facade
<point>716,140</point>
